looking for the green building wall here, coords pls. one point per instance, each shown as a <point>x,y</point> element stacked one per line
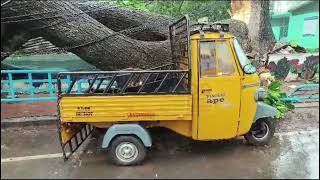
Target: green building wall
<point>296,24</point>
<point>296,20</point>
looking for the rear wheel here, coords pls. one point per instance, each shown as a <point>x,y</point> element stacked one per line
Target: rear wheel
<point>127,150</point>
<point>261,132</point>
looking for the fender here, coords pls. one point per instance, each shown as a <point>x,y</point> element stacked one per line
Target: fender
<point>127,129</point>
<point>264,110</point>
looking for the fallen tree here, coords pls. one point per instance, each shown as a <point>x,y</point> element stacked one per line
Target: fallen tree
<point>256,15</point>
<point>121,18</point>
<point>75,30</point>
<point>105,36</point>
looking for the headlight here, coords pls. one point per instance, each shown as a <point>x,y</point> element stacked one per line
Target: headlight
<point>260,94</point>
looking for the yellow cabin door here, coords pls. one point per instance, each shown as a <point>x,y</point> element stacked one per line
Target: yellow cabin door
<point>219,91</point>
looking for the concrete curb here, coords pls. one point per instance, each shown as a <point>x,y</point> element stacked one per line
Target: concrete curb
<point>28,121</point>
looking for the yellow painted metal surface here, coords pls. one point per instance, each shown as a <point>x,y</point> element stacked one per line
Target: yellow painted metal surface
<point>212,35</point>
<point>219,104</point>
<point>69,130</point>
<point>194,87</point>
<point>181,127</point>
<point>249,85</point>
<point>126,108</point>
<point>189,115</point>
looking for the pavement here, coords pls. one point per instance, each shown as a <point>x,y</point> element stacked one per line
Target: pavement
<point>28,121</point>
<point>30,109</point>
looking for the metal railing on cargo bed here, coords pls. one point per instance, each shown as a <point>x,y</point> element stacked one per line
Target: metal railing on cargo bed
<point>140,82</point>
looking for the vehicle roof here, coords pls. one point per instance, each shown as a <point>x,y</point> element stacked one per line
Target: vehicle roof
<point>212,35</point>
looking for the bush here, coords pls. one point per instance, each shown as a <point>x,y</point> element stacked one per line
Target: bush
<point>274,94</point>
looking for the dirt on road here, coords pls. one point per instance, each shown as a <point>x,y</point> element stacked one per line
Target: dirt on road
<point>299,119</point>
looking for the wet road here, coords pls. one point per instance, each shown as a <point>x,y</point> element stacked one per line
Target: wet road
<point>290,155</point>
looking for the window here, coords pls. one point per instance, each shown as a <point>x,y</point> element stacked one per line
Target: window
<point>240,53</point>
<point>283,31</point>
<point>215,59</point>
<point>310,26</point>
<point>283,27</point>
<point>224,58</point>
<point>242,58</point>
<point>207,59</point>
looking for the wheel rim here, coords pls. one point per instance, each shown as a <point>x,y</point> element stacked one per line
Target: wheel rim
<point>126,152</point>
<point>260,131</point>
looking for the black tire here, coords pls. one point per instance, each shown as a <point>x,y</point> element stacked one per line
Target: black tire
<point>131,142</point>
<point>261,132</point>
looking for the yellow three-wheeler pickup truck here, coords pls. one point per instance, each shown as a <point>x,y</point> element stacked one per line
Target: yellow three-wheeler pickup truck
<point>209,92</point>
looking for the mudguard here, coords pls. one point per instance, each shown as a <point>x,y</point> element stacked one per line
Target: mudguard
<point>127,129</point>
<point>264,110</point>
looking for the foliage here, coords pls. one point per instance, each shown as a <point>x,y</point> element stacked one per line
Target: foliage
<point>296,68</point>
<point>136,4</point>
<point>316,68</point>
<point>315,78</point>
<point>283,68</point>
<point>314,50</point>
<point>214,10</point>
<point>294,42</point>
<point>274,94</point>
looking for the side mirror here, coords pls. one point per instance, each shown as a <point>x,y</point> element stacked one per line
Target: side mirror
<point>249,69</point>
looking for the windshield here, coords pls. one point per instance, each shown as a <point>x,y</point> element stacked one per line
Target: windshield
<point>244,61</point>
<point>240,53</point>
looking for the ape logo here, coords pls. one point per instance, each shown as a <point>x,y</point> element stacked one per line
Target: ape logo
<point>215,98</point>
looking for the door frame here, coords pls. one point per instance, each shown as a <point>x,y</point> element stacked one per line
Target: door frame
<point>238,72</point>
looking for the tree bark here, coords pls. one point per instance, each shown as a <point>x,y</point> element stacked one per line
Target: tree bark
<point>121,18</point>
<point>256,14</point>
<point>240,30</point>
<point>91,40</point>
<point>89,28</point>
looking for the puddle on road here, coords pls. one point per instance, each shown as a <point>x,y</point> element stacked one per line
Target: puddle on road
<point>174,156</point>
<point>299,157</point>
<point>293,156</point>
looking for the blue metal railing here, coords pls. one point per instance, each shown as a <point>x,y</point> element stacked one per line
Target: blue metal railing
<point>293,97</point>
<point>31,87</point>
<point>10,79</point>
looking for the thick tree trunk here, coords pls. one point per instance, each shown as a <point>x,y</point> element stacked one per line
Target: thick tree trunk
<point>11,39</point>
<point>91,40</point>
<point>240,30</point>
<point>120,18</point>
<point>88,29</point>
<point>256,14</point>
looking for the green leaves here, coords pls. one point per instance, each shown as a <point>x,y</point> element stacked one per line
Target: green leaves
<point>214,10</point>
<point>274,86</point>
<point>292,68</point>
<point>274,94</point>
<point>316,68</point>
<point>136,4</point>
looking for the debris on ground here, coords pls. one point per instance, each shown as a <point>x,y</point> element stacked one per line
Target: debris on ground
<point>284,48</point>
<point>278,48</point>
<point>266,78</point>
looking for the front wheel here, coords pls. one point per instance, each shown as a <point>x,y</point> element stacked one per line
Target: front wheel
<point>261,132</point>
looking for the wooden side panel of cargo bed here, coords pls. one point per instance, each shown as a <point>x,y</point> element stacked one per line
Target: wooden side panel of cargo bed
<point>125,108</point>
